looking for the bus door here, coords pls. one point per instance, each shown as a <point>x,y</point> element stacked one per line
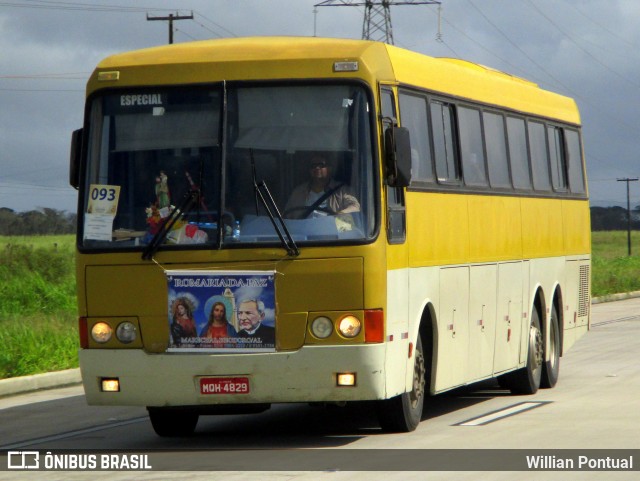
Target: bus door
<point>397,314</point>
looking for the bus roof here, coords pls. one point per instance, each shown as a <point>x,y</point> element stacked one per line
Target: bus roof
<point>256,58</point>
<point>476,82</point>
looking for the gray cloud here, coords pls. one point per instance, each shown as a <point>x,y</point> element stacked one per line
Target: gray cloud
<point>587,49</point>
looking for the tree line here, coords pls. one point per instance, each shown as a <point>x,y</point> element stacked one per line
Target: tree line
<point>43,221</point>
<point>47,221</point>
<point>614,218</point>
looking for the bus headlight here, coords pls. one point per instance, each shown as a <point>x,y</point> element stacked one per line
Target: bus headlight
<point>322,327</point>
<point>350,326</point>
<point>126,332</point>
<point>101,332</point>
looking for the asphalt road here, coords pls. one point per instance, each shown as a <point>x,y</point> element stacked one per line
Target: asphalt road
<point>595,406</point>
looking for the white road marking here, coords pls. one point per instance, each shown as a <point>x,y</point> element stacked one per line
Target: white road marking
<point>503,413</point>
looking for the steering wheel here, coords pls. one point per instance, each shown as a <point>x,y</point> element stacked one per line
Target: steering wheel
<point>307,207</point>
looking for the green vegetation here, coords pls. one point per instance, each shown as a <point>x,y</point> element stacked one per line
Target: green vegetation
<point>613,271</point>
<point>36,346</point>
<point>38,319</point>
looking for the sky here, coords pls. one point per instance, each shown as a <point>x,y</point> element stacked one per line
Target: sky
<point>585,49</point>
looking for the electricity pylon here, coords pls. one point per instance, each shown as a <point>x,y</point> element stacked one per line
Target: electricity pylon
<point>377,15</point>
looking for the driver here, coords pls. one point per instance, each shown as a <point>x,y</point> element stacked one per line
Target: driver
<point>320,195</point>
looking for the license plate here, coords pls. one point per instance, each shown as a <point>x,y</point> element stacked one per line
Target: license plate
<point>224,385</point>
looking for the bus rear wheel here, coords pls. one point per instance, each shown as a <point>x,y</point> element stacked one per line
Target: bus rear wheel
<point>402,414</point>
<point>551,368</point>
<point>173,422</point>
<point>527,380</point>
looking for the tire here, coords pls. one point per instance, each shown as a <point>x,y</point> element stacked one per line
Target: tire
<point>170,422</point>
<point>402,414</point>
<point>551,367</point>
<point>527,380</point>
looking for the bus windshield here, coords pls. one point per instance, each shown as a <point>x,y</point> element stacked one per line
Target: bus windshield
<point>187,166</point>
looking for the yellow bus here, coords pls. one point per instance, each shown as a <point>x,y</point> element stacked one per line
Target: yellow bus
<point>276,220</point>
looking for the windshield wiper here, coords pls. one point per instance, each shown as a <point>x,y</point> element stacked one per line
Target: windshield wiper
<point>185,207</point>
<point>263,193</point>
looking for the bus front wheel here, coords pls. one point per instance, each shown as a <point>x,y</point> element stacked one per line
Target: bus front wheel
<point>403,413</point>
<point>172,422</point>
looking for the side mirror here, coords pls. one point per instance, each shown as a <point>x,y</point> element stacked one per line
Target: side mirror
<point>74,161</point>
<point>398,156</point>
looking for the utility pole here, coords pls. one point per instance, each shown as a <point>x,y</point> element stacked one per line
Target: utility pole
<point>377,15</point>
<point>170,18</point>
<point>628,180</point>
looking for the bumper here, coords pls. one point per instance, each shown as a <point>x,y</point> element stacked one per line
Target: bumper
<point>306,375</point>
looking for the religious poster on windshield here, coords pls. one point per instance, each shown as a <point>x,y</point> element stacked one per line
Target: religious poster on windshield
<point>231,311</point>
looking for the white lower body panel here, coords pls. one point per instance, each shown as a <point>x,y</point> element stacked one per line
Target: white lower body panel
<point>306,375</point>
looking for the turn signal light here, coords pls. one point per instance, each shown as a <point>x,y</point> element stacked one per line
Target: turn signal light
<point>83,332</point>
<point>374,325</point>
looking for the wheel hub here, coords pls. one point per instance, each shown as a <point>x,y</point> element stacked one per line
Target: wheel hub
<point>537,346</point>
<point>418,379</point>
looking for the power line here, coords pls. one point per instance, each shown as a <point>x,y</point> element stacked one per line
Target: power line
<point>185,34</point>
<point>517,47</point>
<point>39,90</point>
<point>75,6</point>
<point>603,27</point>
<point>586,52</point>
<point>45,76</point>
<point>216,24</point>
<point>206,28</point>
<point>21,186</point>
<point>566,88</point>
<point>49,76</point>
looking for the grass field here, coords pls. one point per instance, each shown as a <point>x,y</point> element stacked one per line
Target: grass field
<point>38,315</point>
<point>38,318</point>
<point>613,271</point>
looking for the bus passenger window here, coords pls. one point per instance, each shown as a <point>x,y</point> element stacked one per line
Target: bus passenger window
<point>539,156</point>
<point>446,156</point>
<point>518,153</point>
<point>497,158</point>
<point>558,159</point>
<point>413,110</point>
<point>471,147</point>
<point>576,177</point>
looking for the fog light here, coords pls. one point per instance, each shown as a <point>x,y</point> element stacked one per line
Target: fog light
<point>101,332</point>
<point>346,379</point>
<point>126,332</point>
<point>110,384</point>
<point>350,326</point>
<point>322,327</point>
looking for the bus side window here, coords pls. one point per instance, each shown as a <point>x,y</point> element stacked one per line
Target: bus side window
<point>518,154</point>
<point>497,158</point>
<point>472,147</point>
<point>413,112</point>
<point>444,142</point>
<point>539,156</point>
<point>558,159</point>
<point>576,176</point>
